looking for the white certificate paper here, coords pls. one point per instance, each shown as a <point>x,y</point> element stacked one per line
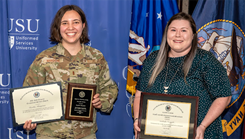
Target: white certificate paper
<point>41,103</point>
<point>167,118</point>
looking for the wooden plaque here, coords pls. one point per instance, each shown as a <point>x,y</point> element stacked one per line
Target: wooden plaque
<point>79,102</point>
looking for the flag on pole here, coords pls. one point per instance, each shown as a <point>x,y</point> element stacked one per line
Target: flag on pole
<point>149,18</point>
<point>220,28</point>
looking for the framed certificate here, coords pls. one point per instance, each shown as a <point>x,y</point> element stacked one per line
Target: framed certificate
<point>39,103</point>
<point>79,102</point>
<point>167,116</point>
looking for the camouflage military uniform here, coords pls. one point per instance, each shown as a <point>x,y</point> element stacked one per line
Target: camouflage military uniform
<point>88,66</point>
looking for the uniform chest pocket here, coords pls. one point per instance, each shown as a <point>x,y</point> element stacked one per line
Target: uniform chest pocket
<point>88,71</point>
<point>91,65</point>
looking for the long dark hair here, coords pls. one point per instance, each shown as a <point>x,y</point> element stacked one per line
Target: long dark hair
<point>162,56</point>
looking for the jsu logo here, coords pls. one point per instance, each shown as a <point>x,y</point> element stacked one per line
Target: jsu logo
<point>18,134</point>
<point>11,41</point>
<point>20,25</point>
<point>3,83</point>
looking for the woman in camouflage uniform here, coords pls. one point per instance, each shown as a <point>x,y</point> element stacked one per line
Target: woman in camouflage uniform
<point>71,61</point>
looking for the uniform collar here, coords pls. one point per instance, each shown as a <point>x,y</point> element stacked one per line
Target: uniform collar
<point>62,51</point>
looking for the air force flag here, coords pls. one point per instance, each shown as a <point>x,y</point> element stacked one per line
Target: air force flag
<point>148,20</point>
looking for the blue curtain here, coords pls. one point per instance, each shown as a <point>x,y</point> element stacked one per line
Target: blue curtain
<point>4,72</point>
<point>25,26</point>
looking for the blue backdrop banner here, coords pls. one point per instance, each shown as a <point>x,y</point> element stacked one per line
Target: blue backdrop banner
<point>5,71</point>
<point>24,33</point>
<point>221,28</point>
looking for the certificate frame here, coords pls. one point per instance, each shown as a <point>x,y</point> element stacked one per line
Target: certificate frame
<point>79,102</point>
<point>31,102</point>
<point>168,108</point>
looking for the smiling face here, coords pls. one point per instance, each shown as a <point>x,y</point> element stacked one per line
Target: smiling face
<point>179,38</point>
<point>71,28</point>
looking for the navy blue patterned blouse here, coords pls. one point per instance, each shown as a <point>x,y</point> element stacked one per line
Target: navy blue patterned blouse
<point>207,79</point>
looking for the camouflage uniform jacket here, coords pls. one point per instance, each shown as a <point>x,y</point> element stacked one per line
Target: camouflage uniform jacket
<point>88,66</point>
